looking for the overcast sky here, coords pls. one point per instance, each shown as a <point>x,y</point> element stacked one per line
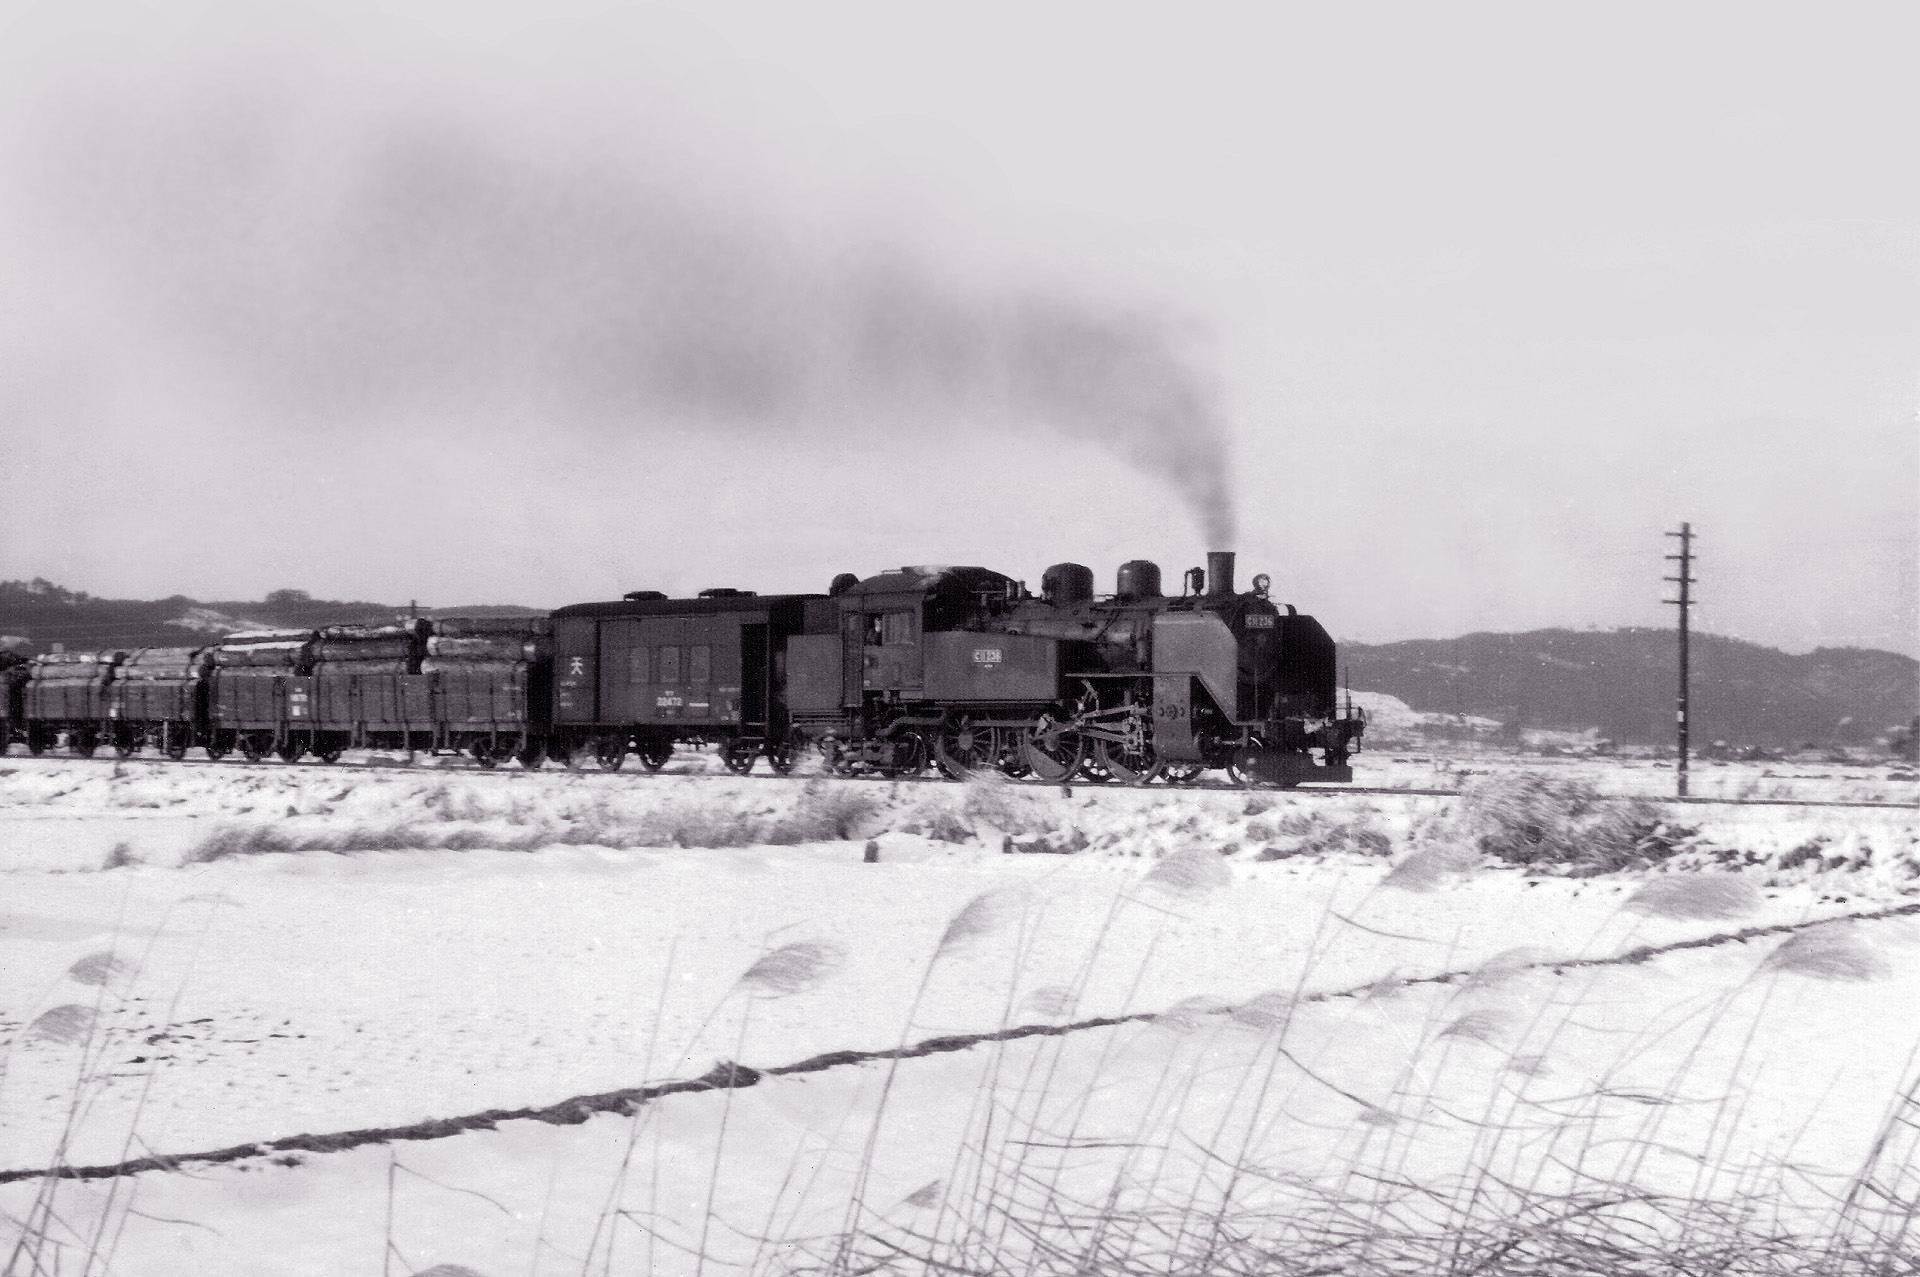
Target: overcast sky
<point>1440,315</point>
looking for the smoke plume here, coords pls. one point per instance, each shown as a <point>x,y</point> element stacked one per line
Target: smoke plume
<point>405,261</point>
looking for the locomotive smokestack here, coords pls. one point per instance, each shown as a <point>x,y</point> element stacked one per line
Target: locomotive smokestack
<point>1219,572</point>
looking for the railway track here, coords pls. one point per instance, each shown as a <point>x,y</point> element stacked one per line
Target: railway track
<point>513,774</point>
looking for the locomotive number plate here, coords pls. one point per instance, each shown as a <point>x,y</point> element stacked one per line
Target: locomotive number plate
<point>987,656</point>
<point>1259,621</point>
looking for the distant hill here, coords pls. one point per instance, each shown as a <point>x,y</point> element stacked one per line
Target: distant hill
<point>42,614</point>
<point>1623,682</point>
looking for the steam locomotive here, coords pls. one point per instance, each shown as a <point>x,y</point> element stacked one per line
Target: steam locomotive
<point>959,667</point>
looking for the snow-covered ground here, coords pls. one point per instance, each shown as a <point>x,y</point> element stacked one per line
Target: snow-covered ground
<point>312,950</point>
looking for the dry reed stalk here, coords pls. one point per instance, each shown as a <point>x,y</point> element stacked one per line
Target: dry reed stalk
<point>792,968</point>
<point>983,915</point>
<point>1833,951</point>
<point>1190,874</point>
<point>1430,868</point>
<point>1705,897</point>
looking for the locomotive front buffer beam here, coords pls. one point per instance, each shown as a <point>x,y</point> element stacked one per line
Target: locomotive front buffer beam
<point>1284,767</point>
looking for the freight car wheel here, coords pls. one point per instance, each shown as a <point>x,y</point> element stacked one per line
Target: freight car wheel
<point>482,752</point>
<point>216,750</point>
<point>610,752</point>
<point>1053,753</point>
<point>83,742</point>
<point>36,740</point>
<point>328,752</point>
<point>782,754</point>
<point>293,751</point>
<point>532,754</point>
<point>125,743</point>
<point>254,747</point>
<point>738,754</point>
<point>175,738</point>
<point>655,753</point>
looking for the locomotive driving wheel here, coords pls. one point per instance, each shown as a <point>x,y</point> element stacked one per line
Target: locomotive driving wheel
<point>1128,764</point>
<point>909,756</point>
<point>962,748</point>
<point>1181,773</point>
<point>1052,752</point>
<point>1240,775</point>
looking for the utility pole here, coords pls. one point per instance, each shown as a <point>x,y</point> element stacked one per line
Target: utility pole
<point>1685,602</point>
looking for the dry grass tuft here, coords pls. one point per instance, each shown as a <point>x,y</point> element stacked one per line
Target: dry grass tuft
<point>1300,834</point>
<point>1530,819</point>
<point>1700,896</point>
<point>1832,952</point>
<point>1192,873</point>
<point>983,915</point>
<point>793,968</point>
<point>991,799</point>
<point>69,1024</point>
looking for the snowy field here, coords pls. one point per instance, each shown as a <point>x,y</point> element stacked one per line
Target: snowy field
<point>1524,1029</point>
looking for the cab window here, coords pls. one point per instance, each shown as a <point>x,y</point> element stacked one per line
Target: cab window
<point>897,628</point>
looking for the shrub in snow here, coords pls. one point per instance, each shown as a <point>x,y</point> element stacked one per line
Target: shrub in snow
<point>1298,834</point>
<point>1530,819</point>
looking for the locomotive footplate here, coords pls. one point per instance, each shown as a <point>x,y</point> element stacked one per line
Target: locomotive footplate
<point>1286,767</point>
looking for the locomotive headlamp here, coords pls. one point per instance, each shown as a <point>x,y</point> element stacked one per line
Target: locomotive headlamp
<point>1261,584</point>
